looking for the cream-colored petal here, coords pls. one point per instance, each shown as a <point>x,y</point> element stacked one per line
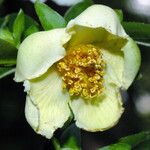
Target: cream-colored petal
<point>31,113</point>
<point>46,94</point>
<point>101,115</point>
<point>100,26</point>
<point>132,62</point>
<point>98,16</point>
<point>100,36</point>
<point>38,52</point>
<point>122,66</point>
<point>114,66</point>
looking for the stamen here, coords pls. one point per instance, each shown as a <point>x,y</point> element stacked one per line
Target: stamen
<point>82,70</point>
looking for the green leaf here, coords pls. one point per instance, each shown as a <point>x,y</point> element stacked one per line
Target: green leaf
<point>10,19</point>
<point>6,35</point>
<point>31,25</point>
<point>8,53</point>
<point>49,18</point>
<point>118,146</point>
<point>30,22</point>
<point>143,146</point>
<point>136,139</point>
<point>71,143</point>
<point>4,22</point>
<point>119,14</point>
<point>89,1</point>
<point>71,132</point>
<point>76,10</point>
<point>139,141</point>
<point>138,31</point>
<point>5,71</point>
<point>56,143</point>
<point>1,1</point>
<point>18,27</point>
<point>32,29</point>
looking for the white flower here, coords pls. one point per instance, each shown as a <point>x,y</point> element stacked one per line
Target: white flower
<point>81,67</point>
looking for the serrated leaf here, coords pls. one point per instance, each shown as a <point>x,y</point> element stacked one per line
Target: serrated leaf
<point>18,27</point>
<point>138,31</point>
<point>5,71</point>
<point>136,139</point>
<point>118,146</point>
<point>75,10</point>
<point>49,18</point>
<point>8,53</point>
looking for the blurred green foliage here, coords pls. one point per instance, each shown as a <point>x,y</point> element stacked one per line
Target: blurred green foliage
<point>131,142</point>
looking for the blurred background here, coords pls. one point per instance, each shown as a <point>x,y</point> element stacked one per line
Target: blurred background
<point>16,134</point>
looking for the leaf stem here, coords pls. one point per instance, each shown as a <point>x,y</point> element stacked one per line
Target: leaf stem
<point>56,143</point>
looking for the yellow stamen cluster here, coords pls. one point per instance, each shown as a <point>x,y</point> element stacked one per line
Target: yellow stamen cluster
<point>82,70</point>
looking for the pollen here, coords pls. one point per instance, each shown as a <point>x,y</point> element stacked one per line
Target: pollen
<point>82,71</point>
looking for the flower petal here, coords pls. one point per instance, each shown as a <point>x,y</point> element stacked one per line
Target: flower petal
<point>46,94</point>
<point>98,16</point>
<point>99,25</point>
<point>38,52</point>
<point>101,115</point>
<point>111,46</point>
<point>106,40</point>
<point>114,66</point>
<point>31,113</point>
<point>132,62</point>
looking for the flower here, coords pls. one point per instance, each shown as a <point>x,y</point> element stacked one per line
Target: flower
<point>81,67</point>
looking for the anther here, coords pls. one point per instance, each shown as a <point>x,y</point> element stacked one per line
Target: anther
<point>82,71</point>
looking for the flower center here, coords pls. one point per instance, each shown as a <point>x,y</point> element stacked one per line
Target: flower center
<point>82,70</point>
